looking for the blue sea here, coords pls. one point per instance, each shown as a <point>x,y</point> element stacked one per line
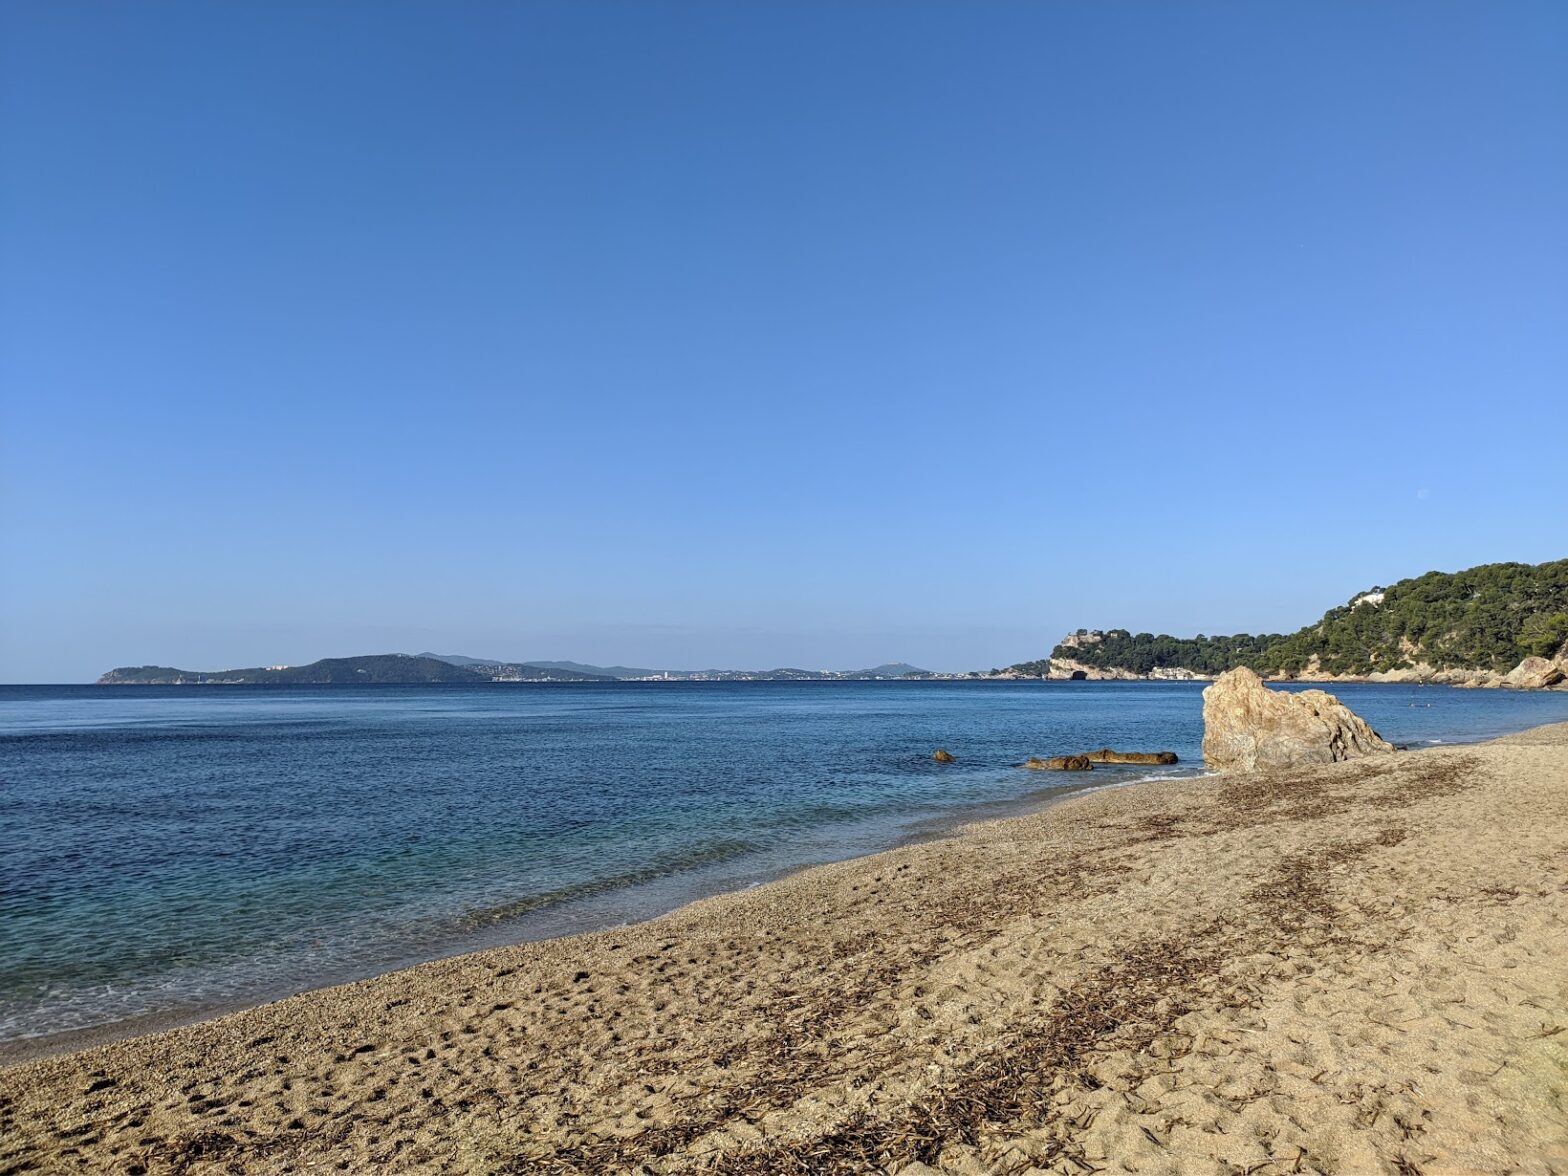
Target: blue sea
<point>172,851</point>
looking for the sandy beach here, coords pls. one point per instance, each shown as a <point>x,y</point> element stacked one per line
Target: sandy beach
<point>1355,968</point>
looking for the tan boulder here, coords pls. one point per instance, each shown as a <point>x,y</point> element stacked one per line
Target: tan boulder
<point>942,756</point>
<point>1246,725</point>
<point>1106,756</point>
<point>1059,763</point>
<point>1535,673</point>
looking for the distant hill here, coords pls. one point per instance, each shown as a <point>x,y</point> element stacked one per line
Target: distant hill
<point>374,669</point>
<point>890,670</point>
<point>381,669</point>
<point>532,672</point>
<point>1486,618</point>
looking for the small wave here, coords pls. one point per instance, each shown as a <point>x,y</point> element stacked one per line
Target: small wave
<point>662,867</point>
<point>1154,778</point>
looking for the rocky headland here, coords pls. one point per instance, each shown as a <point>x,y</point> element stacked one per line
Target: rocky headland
<point>1501,626</point>
<point>1532,673</point>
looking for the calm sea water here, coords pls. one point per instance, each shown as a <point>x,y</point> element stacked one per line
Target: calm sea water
<point>167,850</point>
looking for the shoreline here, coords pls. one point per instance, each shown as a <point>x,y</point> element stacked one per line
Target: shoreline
<point>579,914</point>
<point>1351,967</point>
<point>651,900</point>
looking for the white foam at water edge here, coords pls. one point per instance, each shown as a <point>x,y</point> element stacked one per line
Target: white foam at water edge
<point>1434,741</point>
<point>1153,779</point>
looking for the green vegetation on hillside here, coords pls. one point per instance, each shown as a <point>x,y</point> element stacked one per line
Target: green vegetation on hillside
<point>1485,618</point>
<point>1142,652</point>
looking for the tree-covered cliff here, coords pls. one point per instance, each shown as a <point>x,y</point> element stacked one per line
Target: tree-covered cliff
<point>1484,618</point>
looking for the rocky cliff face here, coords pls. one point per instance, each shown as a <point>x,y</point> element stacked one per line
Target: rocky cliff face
<point>1070,669</point>
<point>1246,725</point>
<point>1533,673</point>
<point>1536,673</point>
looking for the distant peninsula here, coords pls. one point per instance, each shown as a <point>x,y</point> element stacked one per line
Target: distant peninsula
<point>392,669</point>
<point>1503,624</point>
<point>382,669</point>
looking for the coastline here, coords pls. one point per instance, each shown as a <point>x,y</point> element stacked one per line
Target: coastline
<point>1345,968</point>
<point>596,912</point>
<point>1076,671</point>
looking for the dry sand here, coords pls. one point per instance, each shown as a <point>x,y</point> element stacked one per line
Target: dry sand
<point>1359,968</point>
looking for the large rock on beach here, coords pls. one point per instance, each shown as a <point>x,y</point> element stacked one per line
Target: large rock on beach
<point>1059,763</point>
<point>1246,725</point>
<point>1107,756</point>
<point>1535,673</point>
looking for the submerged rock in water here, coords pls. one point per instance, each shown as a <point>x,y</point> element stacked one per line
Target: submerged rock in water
<point>1108,756</point>
<point>942,756</point>
<point>1060,763</point>
<point>1246,725</point>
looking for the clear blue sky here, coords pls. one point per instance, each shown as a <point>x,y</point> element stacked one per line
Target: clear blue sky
<point>751,334</point>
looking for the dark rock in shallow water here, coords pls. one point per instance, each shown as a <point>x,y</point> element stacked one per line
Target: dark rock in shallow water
<point>1107,756</point>
<point>1060,763</point>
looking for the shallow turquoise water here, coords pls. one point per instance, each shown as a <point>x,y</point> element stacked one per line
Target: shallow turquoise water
<point>170,849</point>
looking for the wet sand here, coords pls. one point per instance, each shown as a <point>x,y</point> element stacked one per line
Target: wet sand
<point>1356,968</point>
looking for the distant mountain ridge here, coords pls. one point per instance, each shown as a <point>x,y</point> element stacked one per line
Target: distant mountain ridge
<point>404,669</point>
<point>373,669</point>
